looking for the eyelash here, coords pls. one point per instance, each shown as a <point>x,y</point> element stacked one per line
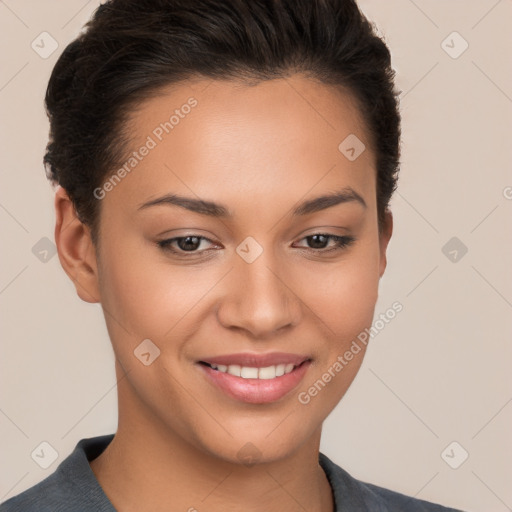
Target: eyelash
<point>341,242</point>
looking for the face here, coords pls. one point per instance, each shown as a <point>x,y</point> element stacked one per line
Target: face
<point>258,275</point>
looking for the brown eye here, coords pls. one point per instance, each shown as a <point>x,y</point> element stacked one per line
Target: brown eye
<point>189,243</point>
<point>184,244</point>
<point>319,241</point>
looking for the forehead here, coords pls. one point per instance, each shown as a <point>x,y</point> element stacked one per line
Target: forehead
<point>229,140</point>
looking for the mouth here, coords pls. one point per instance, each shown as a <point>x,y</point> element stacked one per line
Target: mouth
<point>256,379</point>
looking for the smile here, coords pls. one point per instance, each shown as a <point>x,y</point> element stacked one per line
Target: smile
<point>255,378</point>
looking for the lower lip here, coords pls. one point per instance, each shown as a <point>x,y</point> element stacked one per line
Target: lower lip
<point>256,391</point>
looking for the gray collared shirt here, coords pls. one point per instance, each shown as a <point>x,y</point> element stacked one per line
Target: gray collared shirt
<point>73,487</point>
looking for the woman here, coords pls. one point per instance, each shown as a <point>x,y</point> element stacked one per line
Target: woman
<point>225,169</point>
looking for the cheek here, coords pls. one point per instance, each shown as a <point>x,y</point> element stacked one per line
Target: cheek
<point>344,295</point>
<point>345,301</point>
<point>144,294</point>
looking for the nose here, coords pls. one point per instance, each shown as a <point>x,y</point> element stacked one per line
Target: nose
<point>259,298</point>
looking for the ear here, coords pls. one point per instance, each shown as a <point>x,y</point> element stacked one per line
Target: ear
<point>384,237</point>
<point>75,248</point>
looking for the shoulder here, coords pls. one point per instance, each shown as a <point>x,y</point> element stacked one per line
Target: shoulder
<point>71,488</point>
<point>48,495</point>
<point>360,496</point>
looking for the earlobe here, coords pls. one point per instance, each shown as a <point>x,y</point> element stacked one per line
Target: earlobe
<point>75,248</point>
<point>384,237</point>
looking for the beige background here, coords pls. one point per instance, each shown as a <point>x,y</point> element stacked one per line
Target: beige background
<point>438,373</point>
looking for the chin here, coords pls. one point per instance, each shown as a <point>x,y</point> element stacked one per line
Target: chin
<point>263,443</point>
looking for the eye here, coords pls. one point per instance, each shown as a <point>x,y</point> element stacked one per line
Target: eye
<point>319,241</point>
<point>189,243</point>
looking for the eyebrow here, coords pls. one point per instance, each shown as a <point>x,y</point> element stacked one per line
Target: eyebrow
<point>204,207</point>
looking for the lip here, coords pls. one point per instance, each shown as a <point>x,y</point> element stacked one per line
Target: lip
<point>256,391</point>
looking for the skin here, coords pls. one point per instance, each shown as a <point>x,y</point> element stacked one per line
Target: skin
<point>259,150</point>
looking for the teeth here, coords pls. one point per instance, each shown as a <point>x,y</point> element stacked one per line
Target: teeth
<point>280,370</point>
<point>233,369</point>
<point>248,372</point>
<point>269,372</point>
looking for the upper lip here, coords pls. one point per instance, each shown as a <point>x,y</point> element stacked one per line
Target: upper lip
<point>256,360</point>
